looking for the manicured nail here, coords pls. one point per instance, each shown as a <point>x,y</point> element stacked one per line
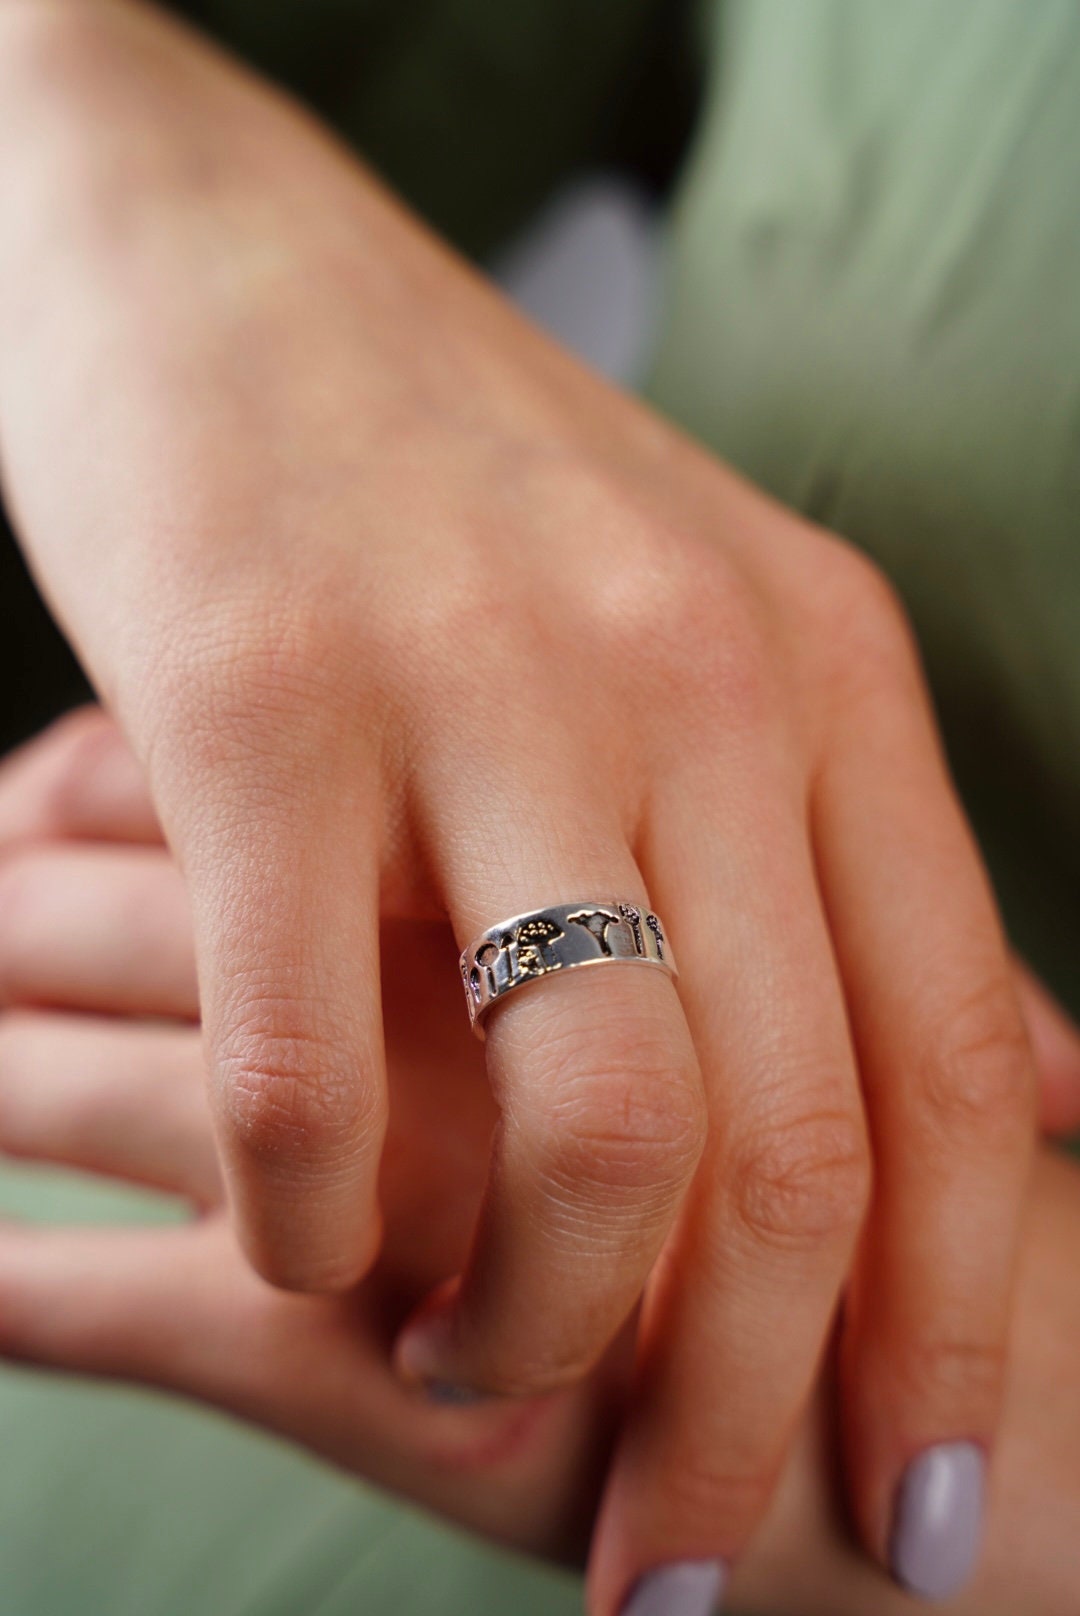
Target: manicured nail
<point>937,1520</point>
<point>684,1588</point>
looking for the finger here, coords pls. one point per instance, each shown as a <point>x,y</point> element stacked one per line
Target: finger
<point>154,1305</point>
<point>739,1310</point>
<point>179,1309</point>
<point>277,810</point>
<point>96,928</point>
<point>599,1092</point>
<point>948,1077</point>
<point>1055,1048</point>
<point>112,1097</point>
<point>79,779</point>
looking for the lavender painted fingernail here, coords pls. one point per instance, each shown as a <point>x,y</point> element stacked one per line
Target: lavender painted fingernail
<point>684,1588</point>
<point>937,1520</point>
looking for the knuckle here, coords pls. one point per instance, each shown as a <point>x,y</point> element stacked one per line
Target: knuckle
<point>699,1490</point>
<point>527,1378</point>
<point>804,1180</point>
<point>869,634</point>
<point>625,1132</point>
<point>626,1115</point>
<point>733,668</point>
<point>708,648</point>
<point>976,1078</point>
<point>951,1371</point>
<point>269,684</point>
<point>326,1273</point>
<point>291,1096</point>
<point>658,584</point>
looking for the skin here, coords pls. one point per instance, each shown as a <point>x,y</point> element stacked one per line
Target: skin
<point>412,622</point>
<point>86,1079</point>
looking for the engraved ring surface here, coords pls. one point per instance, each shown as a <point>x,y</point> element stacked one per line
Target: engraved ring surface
<point>528,947</point>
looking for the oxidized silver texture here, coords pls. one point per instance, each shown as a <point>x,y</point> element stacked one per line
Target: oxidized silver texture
<point>528,947</point>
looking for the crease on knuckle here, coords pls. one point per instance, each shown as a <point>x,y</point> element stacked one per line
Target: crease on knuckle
<point>622,1121</point>
<point>534,1377</point>
<point>290,1094</point>
<point>697,1490</point>
<point>977,1077</point>
<point>632,1130</point>
<point>804,1181</point>
<point>951,1371</point>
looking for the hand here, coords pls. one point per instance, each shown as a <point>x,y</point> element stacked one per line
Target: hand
<point>92,924</point>
<point>407,616</point>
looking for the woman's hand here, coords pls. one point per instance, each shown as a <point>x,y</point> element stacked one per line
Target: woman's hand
<point>93,934</point>
<point>408,616</point>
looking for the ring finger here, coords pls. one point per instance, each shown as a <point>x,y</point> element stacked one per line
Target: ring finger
<point>598,1085</point>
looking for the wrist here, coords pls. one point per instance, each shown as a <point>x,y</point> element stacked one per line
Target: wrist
<point>123,163</point>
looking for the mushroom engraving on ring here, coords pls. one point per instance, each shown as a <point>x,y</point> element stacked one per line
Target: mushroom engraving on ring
<point>597,923</point>
<point>534,939</point>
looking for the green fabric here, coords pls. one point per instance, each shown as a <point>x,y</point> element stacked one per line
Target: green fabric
<point>124,1503</point>
<point>875,311</point>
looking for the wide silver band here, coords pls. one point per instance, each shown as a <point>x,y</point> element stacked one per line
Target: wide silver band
<point>527,947</point>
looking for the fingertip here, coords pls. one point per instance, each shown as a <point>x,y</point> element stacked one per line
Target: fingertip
<point>310,1265</point>
<point>937,1523</point>
<point>423,1354</point>
<point>682,1588</point>
<point>427,1355</point>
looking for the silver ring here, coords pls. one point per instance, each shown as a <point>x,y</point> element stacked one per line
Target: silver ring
<point>528,947</point>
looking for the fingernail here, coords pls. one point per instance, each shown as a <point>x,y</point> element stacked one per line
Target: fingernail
<point>937,1520</point>
<point>423,1356</point>
<point>424,1350</point>
<point>684,1588</point>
